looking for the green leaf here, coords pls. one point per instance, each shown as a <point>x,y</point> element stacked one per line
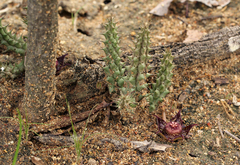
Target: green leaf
<point>141,87</point>
<point>132,80</point>
<point>152,108</point>
<point>111,80</point>
<point>133,105</point>
<point>140,77</point>
<point>148,75</point>
<point>120,82</point>
<point>107,70</point>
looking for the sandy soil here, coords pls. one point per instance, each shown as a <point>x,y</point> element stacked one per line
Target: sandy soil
<point>201,105</point>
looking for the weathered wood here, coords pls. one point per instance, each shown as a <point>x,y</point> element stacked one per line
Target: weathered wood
<point>212,46</point>
<point>65,121</point>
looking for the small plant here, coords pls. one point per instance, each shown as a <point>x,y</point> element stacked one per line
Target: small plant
<point>74,19</point>
<point>173,130</point>
<point>163,81</point>
<point>79,142</point>
<point>130,80</point>
<point>114,67</point>
<point>15,44</point>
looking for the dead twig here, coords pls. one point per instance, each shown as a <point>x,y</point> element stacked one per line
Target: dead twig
<point>107,116</point>
<point>64,121</point>
<point>219,125</point>
<point>211,17</point>
<point>234,137</point>
<point>4,10</point>
<point>228,110</point>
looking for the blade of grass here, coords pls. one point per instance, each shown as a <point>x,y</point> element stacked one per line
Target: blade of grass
<point>78,143</point>
<point>74,19</point>
<point>26,126</point>
<point>19,138</point>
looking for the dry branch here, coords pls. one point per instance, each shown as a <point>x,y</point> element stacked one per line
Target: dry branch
<point>64,121</point>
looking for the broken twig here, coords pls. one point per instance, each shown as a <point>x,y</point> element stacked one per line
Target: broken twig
<point>234,137</point>
<point>219,125</point>
<point>228,110</point>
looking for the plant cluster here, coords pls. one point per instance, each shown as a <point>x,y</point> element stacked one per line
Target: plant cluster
<point>131,80</point>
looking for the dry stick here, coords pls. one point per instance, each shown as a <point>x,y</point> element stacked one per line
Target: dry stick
<point>107,116</point>
<point>219,126</point>
<point>218,142</point>
<point>164,114</point>
<point>234,137</point>
<point>75,22</point>
<point>228,110</point>
<point>4,10</point>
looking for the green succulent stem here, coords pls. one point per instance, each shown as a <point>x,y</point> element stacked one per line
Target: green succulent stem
<point>130,81</point>
<point>12,43</point>
<point>15,44</point>
<point>138,69</point>
<point>114,67</point>
<point>163,81</point>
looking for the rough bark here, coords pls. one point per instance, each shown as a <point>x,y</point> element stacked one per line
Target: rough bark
<point>212,46</point>
<point>39,96</point>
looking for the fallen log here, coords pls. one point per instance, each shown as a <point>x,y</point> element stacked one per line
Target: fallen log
<point>66,121</point>
<point>218,45</point>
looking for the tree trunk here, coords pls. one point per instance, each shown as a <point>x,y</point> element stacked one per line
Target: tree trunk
<point>40,64</point>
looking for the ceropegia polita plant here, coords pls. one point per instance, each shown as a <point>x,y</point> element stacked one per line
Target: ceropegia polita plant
<point>114,67</point>
<point>163,81</point>
<point>138,68</point>
<point>130,80</point>
<point>15,44</point>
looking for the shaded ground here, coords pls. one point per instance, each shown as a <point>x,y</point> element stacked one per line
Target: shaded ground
<point>201,105</point>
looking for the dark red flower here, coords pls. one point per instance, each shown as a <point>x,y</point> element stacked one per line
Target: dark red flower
<point>60,63</point>
<point>173,130</point>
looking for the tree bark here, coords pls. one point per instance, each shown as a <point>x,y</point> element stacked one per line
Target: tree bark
<point>40,85</point>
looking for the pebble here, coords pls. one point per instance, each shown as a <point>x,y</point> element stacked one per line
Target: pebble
<point>208,94</point>
<point>92,161</point>
<point>238,154</point>
<point>133,33</point>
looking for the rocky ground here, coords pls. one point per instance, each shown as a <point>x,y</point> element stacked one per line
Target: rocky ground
<point>197,90</point>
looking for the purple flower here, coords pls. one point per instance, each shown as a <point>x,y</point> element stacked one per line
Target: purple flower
<point>173,130</point>
<point>60,63</point>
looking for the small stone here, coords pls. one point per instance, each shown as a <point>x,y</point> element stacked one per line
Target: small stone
<point>237,154</point>
<point>62,42</point>
<point>221,80</point>
<point>208,94</point>
<point>211,153</point>
<point>133,33</point>
<point>92,161</point>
